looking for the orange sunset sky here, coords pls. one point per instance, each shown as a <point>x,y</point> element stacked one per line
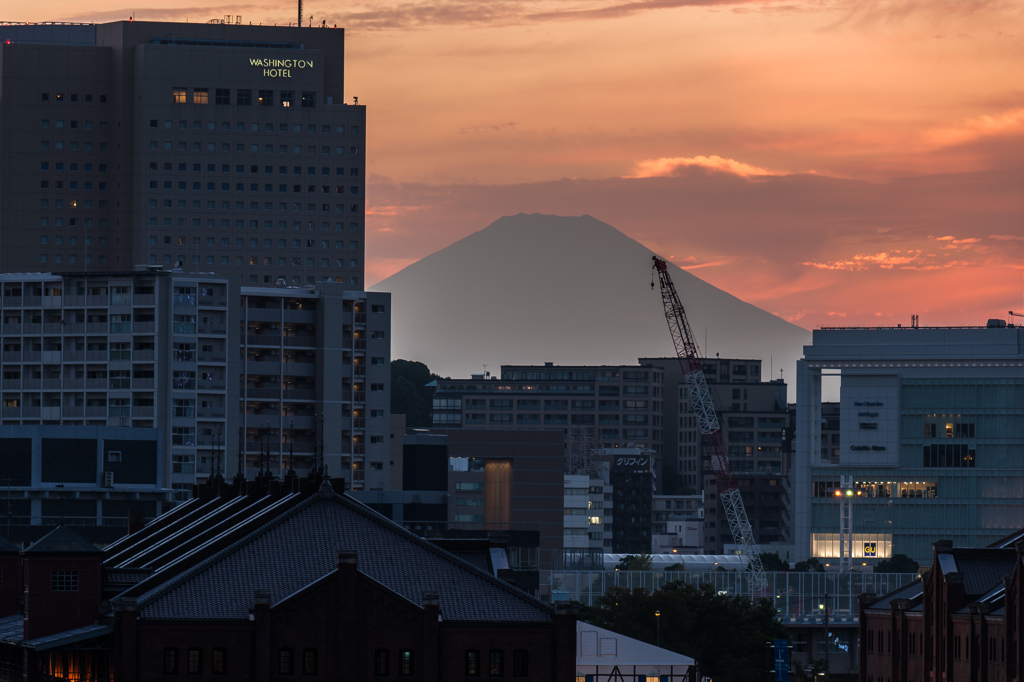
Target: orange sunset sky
<point>848,162</point>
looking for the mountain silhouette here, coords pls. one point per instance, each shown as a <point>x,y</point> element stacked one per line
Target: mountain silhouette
<point>530,289</point>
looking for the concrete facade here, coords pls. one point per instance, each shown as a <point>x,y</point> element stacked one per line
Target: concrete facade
<point>930,430</point>
<point>223,148</point>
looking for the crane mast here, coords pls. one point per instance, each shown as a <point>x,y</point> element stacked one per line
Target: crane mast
<point>710,431</point>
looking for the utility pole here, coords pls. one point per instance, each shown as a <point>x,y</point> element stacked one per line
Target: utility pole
<point>7,481</point>
<point>300,14</point>
<point>60,488</point>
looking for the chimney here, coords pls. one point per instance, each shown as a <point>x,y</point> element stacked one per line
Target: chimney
<point>261,631</point>
<point>431,633</point>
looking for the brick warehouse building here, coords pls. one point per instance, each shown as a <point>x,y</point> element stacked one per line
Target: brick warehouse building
<point>962,621</point>
<point>287,579</point>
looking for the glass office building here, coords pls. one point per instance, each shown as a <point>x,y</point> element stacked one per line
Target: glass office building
<point>931,436</point>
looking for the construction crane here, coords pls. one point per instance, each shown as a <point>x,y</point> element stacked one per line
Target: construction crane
<point>710,431</point>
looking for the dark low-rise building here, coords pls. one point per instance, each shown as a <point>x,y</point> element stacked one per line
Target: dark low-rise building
<point>268,580</point>
<point>961,621</point>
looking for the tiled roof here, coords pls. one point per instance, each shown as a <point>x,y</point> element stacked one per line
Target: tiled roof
<point>62,539</point>
<point>300,546</point>
<point>911,591</point>
<point>69,636</point>
<point>7,547</point>
<point>126,576</point>
<point>981,574</point>
<point>12,628</point>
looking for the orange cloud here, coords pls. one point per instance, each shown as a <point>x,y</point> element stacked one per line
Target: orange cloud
<point>863,261</point>
<point>972,129</point>
<point>652,168</point>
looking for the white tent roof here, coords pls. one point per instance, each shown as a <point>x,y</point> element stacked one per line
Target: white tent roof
<point>597,646</point>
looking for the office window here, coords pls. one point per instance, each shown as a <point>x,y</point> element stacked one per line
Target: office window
<point>382,662</point>
<point>286,98</point>
<point>223,96</point>
<point>170,661</point>
<point>266,98</point>
<point>472,663</point>
<point>179,95</point>
<point>243,97</point>
<point>308,100</point>
<point>195,661</point>
<point>309,662</point>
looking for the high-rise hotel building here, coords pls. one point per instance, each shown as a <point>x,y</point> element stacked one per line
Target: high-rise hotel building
<point>213,147</point>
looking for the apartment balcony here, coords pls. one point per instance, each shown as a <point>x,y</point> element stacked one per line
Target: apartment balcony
<point>263,340</point>
<point>10,412</point>
<point>212,301</point>
<point>12,301</point>
<point>210,412</point>
<point>69,411</point>
<point>32,301</point>
<point>11,384</point>
<point>52,384</point>
<point>211,385</point>
<point>49,412</point>
<point>299,394</point>
<point>50,357</point>
<point>31,356</point>
<point>300,341</point>
<point>146,355</point>
<point>29,328</point>
<point>53,328</point>
<point>213,329</point>
<point>30,411</point>
<point>263,314</point>
<point>144,327</point>
<point>96,328</point>
<point>74,328</point>
<point>300,316</point>
<point>143,382</point>
<point>263,367</point>
<point>96,301</point>
<point>299,369</point>
<point>74,355</point>
<point>74,383</point>
<point>96,384</point>
<point>144,299</point>
<point>12,329</point>
<point>95,356</point>
<point>263,393</point>
<point>31,383</point>
<point>12,356</point>
<point>95,411</point>
<point>212,357</point>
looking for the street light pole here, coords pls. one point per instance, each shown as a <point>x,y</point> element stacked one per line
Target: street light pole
<point>657,620</point>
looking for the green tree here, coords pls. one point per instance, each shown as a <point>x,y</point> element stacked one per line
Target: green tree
<point>636,562</point>
<point>899,563</point>
<point>410,394</point>
<point>725,634</point>
<point>771,561</point>
<point>812,565</point>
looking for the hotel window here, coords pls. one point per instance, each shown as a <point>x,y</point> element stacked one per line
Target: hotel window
<point>223,96</point>
<point>179,95</point>
<point>286,98</point>
<point>309,662</point>
<point>266,98</point>
<point>195,661</point>
<point>200,96</point>
<point>243,98</point>
<point>308,100</point>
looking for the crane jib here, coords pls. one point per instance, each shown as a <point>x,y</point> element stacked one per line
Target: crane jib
<point>710,430</point>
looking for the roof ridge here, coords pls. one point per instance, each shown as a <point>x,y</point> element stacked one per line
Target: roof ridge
<point>376,516</point>
<point>157,592</point>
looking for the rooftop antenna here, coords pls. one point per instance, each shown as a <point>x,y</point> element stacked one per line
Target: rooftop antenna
<point>240,474</point>
<point>300,14</point>
<point>915,319</point>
